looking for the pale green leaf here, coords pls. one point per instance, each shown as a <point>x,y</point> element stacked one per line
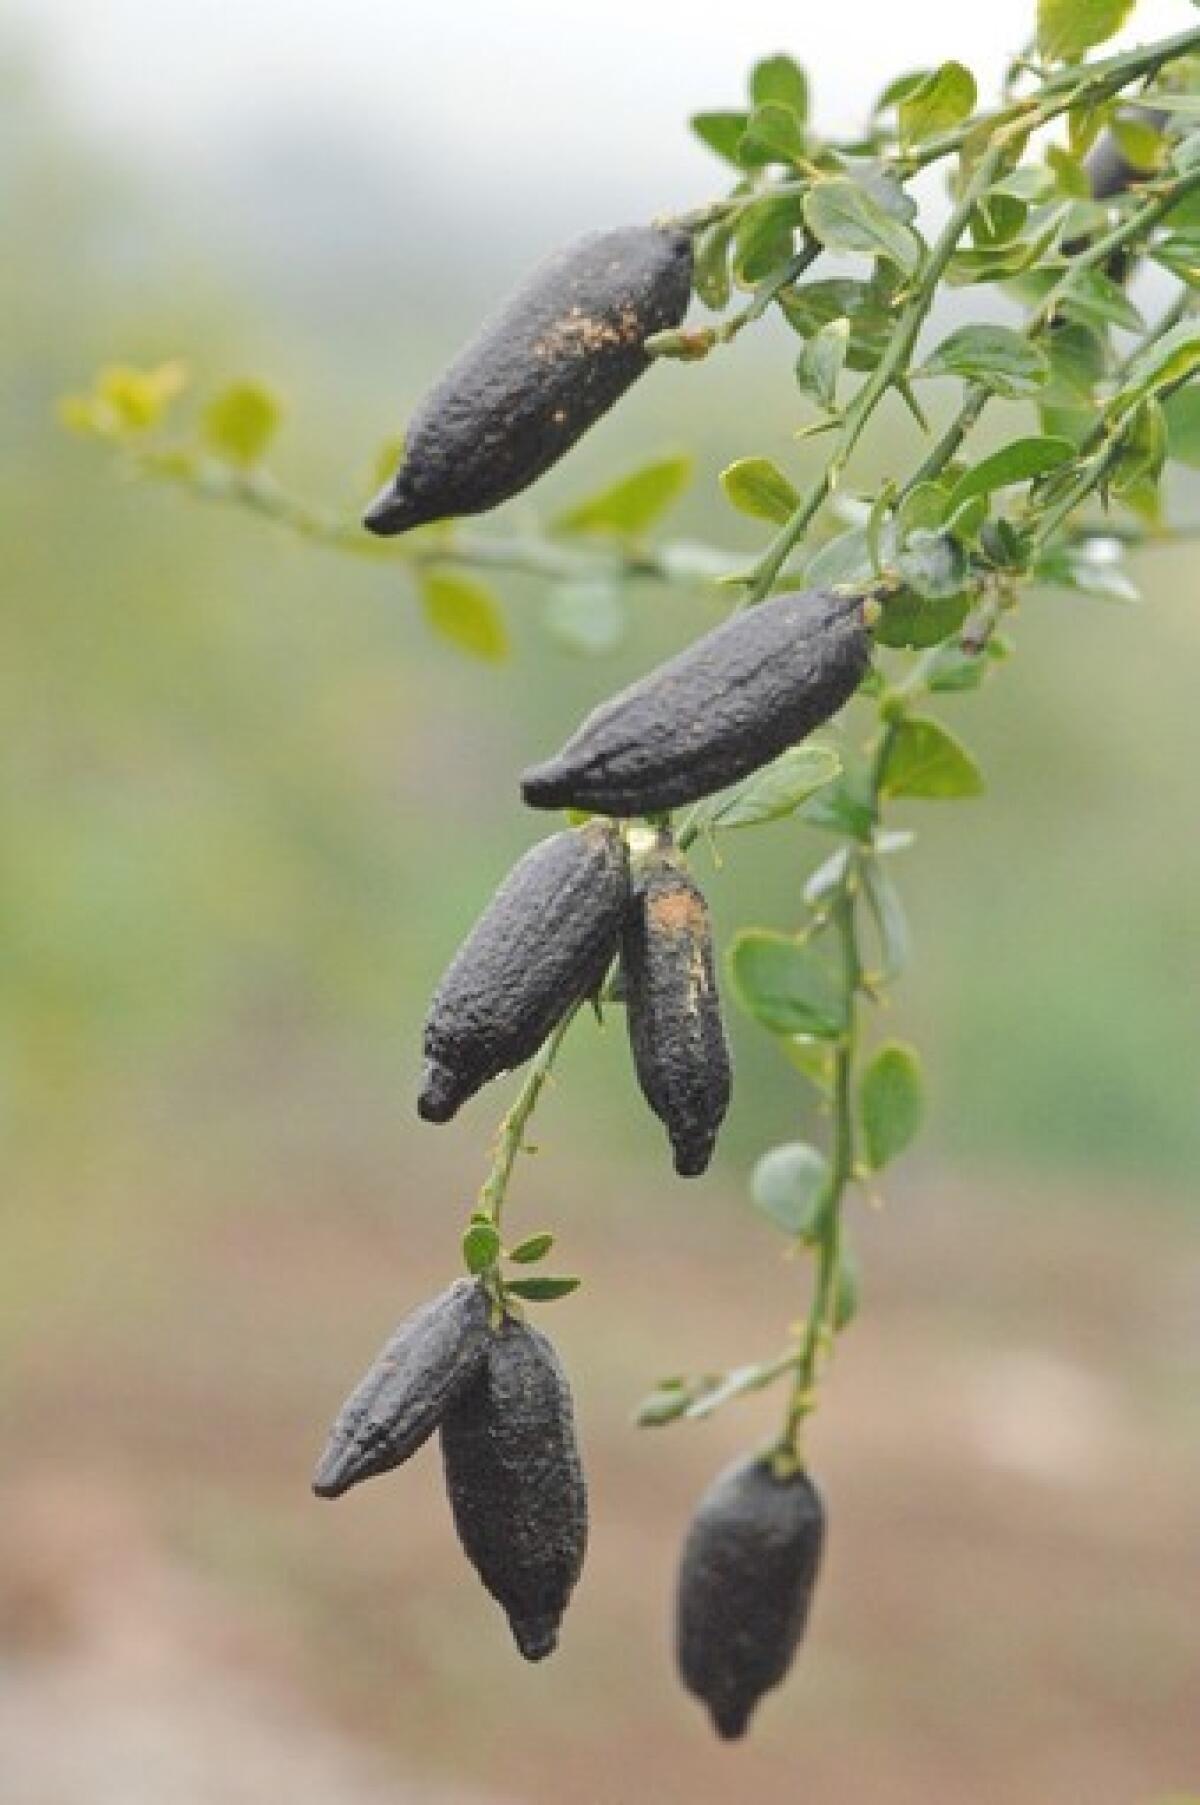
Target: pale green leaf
<point>996,356</point>
<point>632,503</point>
<point>841,214</point>
<point>461,610</point>
<point>241,421</point>
<point>783,985</point>
<point>758,487</point>
<point>1066,28</point>
<point>789,1184</point>
<point>926,761</point>
<point>891,1103</point>
<point>942,99</point>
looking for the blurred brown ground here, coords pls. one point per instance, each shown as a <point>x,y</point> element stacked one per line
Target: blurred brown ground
<point>1009,1449</point>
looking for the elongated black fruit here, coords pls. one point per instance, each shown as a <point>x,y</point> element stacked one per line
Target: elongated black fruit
<point>558,354</point>
<point>746,1578</point>
<point>516,1485</point>
<point>674,1012</point>
<point>543,942</point>
<point>398,1404</point>
<point>714,713</point>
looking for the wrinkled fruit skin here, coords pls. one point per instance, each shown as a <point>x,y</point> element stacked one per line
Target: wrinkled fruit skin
<point>516,1486</point>
<point>556,357</point>
<point>746,1578</point>
<point>714,713</point>
<point>544,941</point>
<point>436,1351</point>
<point>674,1013</point>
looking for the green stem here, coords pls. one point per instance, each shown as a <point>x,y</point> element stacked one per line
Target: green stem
<point>511,1136</point>
<point>819,1327</point>
<point>893,363</point>
<point>977,395</point>
<point>258,492</point>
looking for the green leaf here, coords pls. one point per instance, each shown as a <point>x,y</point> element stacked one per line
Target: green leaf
<point>773,135</point>
<point>535,1248</point>
<point>841,808</point>
<point>125,399</point>
<point>241,421</point>
<point>710,271</point>
<point>765,237</point>
<point>822,360</point>
<point>779,78</point>
<point>1182,413</point>
<point>1016,462</point>
<point>632,503</point>
<point>845,217</point>
<point>925,760</point>
<point>788,1184</point>
<point>1088,568</point>
<point>587,616</point>
<point>481,1247</point>
<point>664,1404</point>
<point>945,96</point>
<point>1094,299</point>
<point>933,564</point>
<point>784,986</point>
<point>777,790</point>
<point>542,1291</point>
<point>891,1103</point>
<point>842,562</point>
<point>1181,255</point>
<point>916,621</point>
<point>1066,28</point>
<point>891,923</point>
<point>464,612</point>
<point>955,670</point>
<point>758,487</point>
<point>721,132</point>
<point>810,305</point>
<point>1166,361</point>
<point>996,356</point>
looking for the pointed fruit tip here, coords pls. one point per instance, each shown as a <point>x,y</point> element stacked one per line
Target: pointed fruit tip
<point>730,1722</point>
<point>390,513</point>
<point>535,1637</point>
<point>440,1097</point>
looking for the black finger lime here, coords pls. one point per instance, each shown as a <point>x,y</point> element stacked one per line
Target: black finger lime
<point>399,1402</point>
<point>717,711</point>
<point>673,1010</point>
<point>555,357</point>
<point>749,1565</point>
<point>516,1486</point>
<point>543,942</point>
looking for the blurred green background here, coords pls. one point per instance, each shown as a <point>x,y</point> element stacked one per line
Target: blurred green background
<point>250,804</point>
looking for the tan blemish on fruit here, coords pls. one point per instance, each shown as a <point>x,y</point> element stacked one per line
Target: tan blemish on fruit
<point>579,331</point>
<point>677,912</point>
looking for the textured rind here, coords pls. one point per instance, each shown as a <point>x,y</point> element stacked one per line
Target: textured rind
<point>437,1350</point>
<point>749,1564</point>
<point>543,369</point>
<point>719,710</point>
<point>543,942</point>
<point>674,1012</point>
<point>516,1486</point>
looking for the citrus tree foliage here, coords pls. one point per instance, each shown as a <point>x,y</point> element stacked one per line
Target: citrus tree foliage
<point>1081,168</point>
